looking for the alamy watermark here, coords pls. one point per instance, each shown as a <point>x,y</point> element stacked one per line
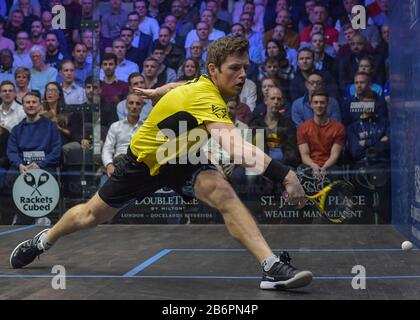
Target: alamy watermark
<point>58,282</point>
<point>359,280</point>
<point>182,146</point>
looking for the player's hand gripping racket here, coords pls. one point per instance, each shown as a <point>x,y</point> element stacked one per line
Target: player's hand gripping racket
<point>334,201</point>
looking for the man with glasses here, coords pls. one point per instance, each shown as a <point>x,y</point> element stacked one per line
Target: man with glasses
<point>21,56</point>
<point>301,107</point>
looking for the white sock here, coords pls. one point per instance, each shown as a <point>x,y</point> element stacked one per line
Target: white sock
<point>43,243</point>
<point>269,262</point>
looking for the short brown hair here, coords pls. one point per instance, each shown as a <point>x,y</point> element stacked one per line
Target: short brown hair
<point>220,49</point>
<point>320,92</point>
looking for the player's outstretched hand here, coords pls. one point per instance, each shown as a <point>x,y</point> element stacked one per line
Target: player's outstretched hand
<point>151,94</point>
<point>295,195</point>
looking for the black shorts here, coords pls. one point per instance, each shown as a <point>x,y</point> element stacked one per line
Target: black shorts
<point>132,180</point>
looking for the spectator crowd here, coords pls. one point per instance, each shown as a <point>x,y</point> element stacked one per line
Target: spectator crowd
<point>318,87</point>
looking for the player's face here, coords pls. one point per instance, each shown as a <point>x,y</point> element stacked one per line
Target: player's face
<point>319,105</point>
<point>230,79</point>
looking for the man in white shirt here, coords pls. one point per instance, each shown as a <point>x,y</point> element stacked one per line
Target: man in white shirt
<point>11,112</point>
<point>73,94</point>
<point>120,133</point>
<point>208,17</point>
<point>147,24</point>
<point>249,94</point>
<point>135,80</point>
<point>124,67</point>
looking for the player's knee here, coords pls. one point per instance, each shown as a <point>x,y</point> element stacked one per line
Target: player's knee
<point>217,190</point>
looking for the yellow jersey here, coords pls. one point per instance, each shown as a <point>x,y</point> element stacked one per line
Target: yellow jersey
<point>175,126</point>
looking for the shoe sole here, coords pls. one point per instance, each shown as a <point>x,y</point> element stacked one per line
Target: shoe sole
<point>13,252</point>
<point>301,279</point>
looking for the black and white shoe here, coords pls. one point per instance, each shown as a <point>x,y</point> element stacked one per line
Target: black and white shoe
<point>26,252</point>
<point>283,275</point>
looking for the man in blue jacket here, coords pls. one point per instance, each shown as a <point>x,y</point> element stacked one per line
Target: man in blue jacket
<point>301,107</point>
<point>34,142</point>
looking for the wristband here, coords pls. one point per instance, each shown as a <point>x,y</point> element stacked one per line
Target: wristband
<point>276,171</point>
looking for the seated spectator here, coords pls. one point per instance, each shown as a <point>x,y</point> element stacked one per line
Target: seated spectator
<point>323,60</point>
<point>52,109</point>
<point>53,55</point>
<point>131,53</point>
<point>6,62</point>
<point>279,130</point>
<point>120,134</point>
<point>318,43</point>
<point>165,74</point>
<point>82,68</point>
<point>305,18</point>
<point>147,25</point>
<point>73,94</point>
<point>112,90</point>
<point>174,54</point>
<point>271,10</point>
<point>171,22</point>
<point>112,24</point>
<point>4,41</point>
<point>46,19</point>
<point>220,24</point>
<point>89,13</point>
<point>141,41</point>
<point>302,109</point>
<point>368,138</point>
<point>249,94</point>
<point>320,139</point>
<point>202,33</point>
<point>157,10</point>
<point>36,34</point>
<point>35,142</point>
<point>320,15</point>
<point>11,112</point>
<point>28,13</point>
<point>290,38</point>
<point>306,66</point>
<point>41,73</point>
<point>124,67</point>
<point>190,70</point>
<point>21,56</point>
<point>251,7</point>
<point>207,17</point>
<point>4,161</point>
<point>183,26</point>
<point>150,73</point>
<point>135,80</point>
<point>196,51</point>
<point>279,33</point>
<point>378,11</point>
<point>15,24</point>
<point>348,64</point>
<point>239,112</point>
<point>22,79</point>
<point>255,39</point>
<point>352,109</point>
<point>266,84</point>
<point>366,66</point>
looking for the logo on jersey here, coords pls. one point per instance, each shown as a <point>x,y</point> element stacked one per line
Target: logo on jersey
<point>220,112</point>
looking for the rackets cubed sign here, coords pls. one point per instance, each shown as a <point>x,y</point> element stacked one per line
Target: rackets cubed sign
<point>36,193</point>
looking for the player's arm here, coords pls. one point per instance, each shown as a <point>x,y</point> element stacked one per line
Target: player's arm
<point>249,156</point>
<point>156,94</point>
